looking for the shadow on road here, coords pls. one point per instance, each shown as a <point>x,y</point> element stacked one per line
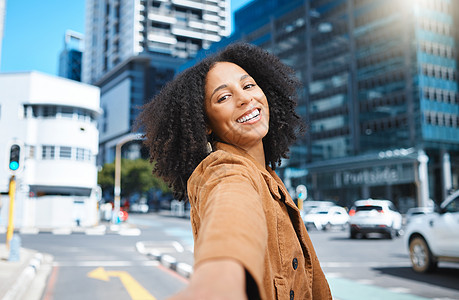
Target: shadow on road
<point>443,277</point>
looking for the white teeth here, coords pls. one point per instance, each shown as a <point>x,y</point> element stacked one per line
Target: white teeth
<point>252,115</point>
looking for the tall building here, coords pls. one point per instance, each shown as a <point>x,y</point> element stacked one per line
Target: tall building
<point>380,95</point>
<point>53,120</point>
<point>70,58</point>
<point>133,48</point>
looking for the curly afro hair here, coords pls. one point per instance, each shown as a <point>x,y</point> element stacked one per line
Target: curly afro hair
<point>174,122</point>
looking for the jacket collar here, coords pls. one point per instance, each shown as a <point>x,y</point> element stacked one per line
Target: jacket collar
<point>273,181</point>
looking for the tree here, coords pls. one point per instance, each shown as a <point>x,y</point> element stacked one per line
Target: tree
<point>136,177</point>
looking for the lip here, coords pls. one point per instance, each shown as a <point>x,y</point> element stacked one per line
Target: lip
<point>249,112</point>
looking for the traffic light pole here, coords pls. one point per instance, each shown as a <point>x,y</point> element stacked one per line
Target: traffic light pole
<point>10,228</point>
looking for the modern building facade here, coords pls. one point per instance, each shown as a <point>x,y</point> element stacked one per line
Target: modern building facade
<point>54,121</point>
<point>380,95</point>
<point>134,47</point>
<point>70,59</point>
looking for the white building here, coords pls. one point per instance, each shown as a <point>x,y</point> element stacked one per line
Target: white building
<point>133,47</point>
<point>54,119</point>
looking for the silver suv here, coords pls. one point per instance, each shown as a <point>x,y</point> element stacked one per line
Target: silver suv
<point>374,216</point>
<point>434,236</point>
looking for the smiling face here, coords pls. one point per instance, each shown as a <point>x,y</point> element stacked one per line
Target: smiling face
<point>236,107</point>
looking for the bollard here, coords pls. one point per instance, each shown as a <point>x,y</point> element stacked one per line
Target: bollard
<point>15,248</point>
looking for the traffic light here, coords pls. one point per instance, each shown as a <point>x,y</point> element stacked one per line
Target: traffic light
<point>15,157</point>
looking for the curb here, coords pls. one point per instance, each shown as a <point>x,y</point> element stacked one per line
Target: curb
<point>101,229</point>
<point>166,260</point>
<point>25,280</point>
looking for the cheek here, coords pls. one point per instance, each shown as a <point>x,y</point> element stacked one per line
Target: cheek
<point>220,119</point>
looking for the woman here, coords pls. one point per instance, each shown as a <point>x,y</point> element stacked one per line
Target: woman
<point>217,132</point>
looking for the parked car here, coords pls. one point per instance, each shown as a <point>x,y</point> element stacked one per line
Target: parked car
<point>324,218</point>
<point>434,237</point>
<point>374,216</point>
<point>311,204</point>
<point>139,208</point>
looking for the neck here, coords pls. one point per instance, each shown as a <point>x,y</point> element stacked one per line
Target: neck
<point>258,153</point>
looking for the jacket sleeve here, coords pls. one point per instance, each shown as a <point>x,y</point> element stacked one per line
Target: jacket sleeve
<point>232,220</point>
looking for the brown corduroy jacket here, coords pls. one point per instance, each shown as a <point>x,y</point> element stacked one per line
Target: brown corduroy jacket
<point>242,210</point>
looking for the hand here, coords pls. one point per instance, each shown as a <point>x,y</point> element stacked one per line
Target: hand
<point>219,279</point>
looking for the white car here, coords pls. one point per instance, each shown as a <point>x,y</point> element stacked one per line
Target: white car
<point>324,218</point>
<point>374,216</point>
<point>434,237</point>
<point>139,208</point>
<point>417,211</point>
<point>311,204</point>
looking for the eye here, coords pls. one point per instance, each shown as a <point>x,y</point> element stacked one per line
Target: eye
<point>223,98</point>
<point>249,85</point>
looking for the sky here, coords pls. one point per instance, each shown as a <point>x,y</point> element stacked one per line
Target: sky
<point>34,32</point>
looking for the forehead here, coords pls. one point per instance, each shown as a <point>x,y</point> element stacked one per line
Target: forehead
<point>222,72</point>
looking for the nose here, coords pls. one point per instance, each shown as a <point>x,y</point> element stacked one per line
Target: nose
<point>243,97</point>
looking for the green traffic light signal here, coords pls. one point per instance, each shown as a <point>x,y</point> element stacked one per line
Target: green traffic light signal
<point>15,152</point>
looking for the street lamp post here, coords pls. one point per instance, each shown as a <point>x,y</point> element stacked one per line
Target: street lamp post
<point>117,188</point>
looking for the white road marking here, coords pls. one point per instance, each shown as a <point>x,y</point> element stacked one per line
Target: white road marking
<point>178,246</point>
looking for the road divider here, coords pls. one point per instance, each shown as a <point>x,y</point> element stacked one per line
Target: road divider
<point>166,260</point>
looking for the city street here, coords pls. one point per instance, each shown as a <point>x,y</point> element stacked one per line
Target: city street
<point>108,266</point>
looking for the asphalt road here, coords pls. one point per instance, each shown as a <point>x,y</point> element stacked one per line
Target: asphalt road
<point>378,269</point>
<point>109,267</point>
<point>104,266</point>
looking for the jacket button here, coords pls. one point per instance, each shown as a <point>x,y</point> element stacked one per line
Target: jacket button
<point>295,263</point>
<point>292,295</point>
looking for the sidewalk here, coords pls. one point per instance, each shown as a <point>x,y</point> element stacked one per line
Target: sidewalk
<point>26,278</point>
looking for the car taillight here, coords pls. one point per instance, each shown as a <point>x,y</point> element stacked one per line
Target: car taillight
<point>352,212</point>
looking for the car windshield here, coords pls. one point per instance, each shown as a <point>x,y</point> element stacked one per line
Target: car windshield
<point>368,208</point>
<point>418,212</point>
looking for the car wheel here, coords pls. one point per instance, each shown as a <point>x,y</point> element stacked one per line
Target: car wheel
<point>326,227</point>
<point>353,234</point>
<point>391,234</point>
<point>422,259</point>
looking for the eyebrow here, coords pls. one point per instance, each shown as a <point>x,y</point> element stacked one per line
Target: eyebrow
<point>225,85</point>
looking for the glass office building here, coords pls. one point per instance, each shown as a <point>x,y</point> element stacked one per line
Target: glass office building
<point>133,47</point>
<point>380,95</point>
<point>71,56</point>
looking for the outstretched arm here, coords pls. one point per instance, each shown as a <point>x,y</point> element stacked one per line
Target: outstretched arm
<point>216,279</point>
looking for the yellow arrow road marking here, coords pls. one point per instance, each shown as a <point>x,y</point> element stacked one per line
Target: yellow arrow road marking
<point>135,290</point>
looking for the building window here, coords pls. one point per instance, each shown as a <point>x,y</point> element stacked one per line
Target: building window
<point>65,152</point>
<point>67,112</point>
<point>80,154</point>
<point>49,111</point>
<point>30,151</point>
<point>47,152</point>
